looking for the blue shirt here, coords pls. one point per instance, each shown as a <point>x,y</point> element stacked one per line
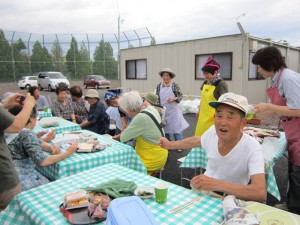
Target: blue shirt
<point>289,86</point>
<point>41,102</point>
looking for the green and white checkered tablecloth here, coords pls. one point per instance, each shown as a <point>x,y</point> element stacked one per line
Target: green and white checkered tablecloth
<point>47,113</point>
<point>197,159</point>
<point>119,153</point>
<point>40,205</point>
<point>64,125</point>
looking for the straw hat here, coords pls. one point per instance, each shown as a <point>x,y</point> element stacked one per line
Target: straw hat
<point>167,70</point>
<point>92,93</point>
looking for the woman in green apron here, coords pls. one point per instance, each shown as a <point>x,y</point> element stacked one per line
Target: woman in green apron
<point>212,88</point>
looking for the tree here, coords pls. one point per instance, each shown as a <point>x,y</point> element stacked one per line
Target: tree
<point>20,59</point>
<point>72,57</point>
<point>5,58</point>
<point>40,59</point>
<point>104,61</point>
<point>84,63</point>
<point>57,57</point>
<point>153,41</point>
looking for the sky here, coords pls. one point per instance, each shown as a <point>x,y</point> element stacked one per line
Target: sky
<point>166,20</point>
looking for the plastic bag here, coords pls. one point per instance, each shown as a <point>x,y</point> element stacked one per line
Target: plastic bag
<point>270,148</point>
<point>235,212</point>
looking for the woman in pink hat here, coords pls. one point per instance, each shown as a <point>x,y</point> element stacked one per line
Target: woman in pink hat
<point>212,88</point>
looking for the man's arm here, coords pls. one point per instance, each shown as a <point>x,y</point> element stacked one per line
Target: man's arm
<point>255,191</point>
<point>190,142</point>
<point>22,118</point>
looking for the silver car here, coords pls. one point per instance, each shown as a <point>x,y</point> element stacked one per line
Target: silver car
<point>50,80</point>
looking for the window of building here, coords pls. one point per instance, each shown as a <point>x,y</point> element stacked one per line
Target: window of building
<point>224,59</point>
<point>253,74</point>
<point>136,69</point>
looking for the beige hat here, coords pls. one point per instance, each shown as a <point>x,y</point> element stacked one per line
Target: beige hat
<point>92,93</point>
<point>152,98</point>
<point>237,101</point>
<point>167,70</point>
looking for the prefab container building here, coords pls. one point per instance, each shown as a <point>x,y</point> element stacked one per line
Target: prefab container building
<point>139,67</point>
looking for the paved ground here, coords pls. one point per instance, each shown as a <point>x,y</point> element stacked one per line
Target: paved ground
<point>172,171</point>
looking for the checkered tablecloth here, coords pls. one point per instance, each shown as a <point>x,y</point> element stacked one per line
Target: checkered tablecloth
<point>46,113</point>
<point>64,125</point>
<point>119,153</point>
<point>41,205</point>
<point>197,159</point>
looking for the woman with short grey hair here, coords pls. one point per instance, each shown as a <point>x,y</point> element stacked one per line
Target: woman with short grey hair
<point>146,129</point>
<point>131,101</point>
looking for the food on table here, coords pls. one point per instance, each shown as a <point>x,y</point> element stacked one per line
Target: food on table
<point>144,193</point>
<point>100,199</point>
<point>76,199</point>
<point>85,147</point>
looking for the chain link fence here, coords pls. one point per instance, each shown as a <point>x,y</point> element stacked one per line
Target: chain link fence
<point>75,55</point>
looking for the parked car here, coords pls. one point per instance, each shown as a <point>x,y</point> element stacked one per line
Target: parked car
<point>50,80</point>
<point>27,81</point>
<point>96,81</point>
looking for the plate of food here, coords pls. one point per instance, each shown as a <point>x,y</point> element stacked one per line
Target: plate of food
<point>89,148</point>
<point>144,192</point>
<point>82,208</point>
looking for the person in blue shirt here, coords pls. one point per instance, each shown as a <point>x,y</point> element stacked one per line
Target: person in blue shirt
<point>41,101</point>
<point>97,120</point>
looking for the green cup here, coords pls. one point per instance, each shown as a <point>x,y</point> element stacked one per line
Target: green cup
<point>161,191</point>
<point>46,109</point>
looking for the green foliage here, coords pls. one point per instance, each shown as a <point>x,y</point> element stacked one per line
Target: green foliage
<point>57,57</point>
<point>16,61</point>
<point>72,57</point>
<point>153,41</point>
<point>5,58</point>
<point>21,59</point>
<point>104,61</point>
<point>84,64</point>
<point>40,59</point>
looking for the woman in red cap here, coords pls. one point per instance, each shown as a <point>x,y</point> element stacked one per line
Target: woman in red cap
<point>212,88</point>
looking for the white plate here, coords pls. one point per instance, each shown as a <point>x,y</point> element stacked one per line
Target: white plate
<point>146,189</point>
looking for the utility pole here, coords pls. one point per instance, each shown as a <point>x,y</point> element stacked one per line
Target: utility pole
<point>119,71</point>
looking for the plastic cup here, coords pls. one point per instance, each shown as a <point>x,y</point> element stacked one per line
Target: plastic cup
<point>161,192</point>
<point>45,109</point>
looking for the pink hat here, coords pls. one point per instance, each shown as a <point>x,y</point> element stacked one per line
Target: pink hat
<point>211,65</point>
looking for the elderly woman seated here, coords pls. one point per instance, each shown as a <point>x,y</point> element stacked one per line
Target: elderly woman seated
<point>78,103</point>
<point>146,129</point>
<point>26,150</point>
<point>62,107</point>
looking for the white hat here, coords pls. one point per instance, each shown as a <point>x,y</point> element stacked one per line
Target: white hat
<point>167,70</point>
<point>237,101</point>
<point>92,93</point>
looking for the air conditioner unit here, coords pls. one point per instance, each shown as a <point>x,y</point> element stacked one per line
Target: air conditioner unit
<point>253,45</point>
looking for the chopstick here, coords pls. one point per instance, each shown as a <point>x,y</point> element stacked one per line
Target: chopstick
<point>186,205</point>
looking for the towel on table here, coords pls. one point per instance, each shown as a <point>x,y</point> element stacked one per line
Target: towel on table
<point>116,188</point>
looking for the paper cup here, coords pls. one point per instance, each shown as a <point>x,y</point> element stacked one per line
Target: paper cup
<point>161,191</point>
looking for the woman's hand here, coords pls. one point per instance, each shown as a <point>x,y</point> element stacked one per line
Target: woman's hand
<point>171,100</point>
<point>164,142</point>
<point>55,150</point>
<point>50,136</point>
<point>73,147</point>
<point>264,109</point>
